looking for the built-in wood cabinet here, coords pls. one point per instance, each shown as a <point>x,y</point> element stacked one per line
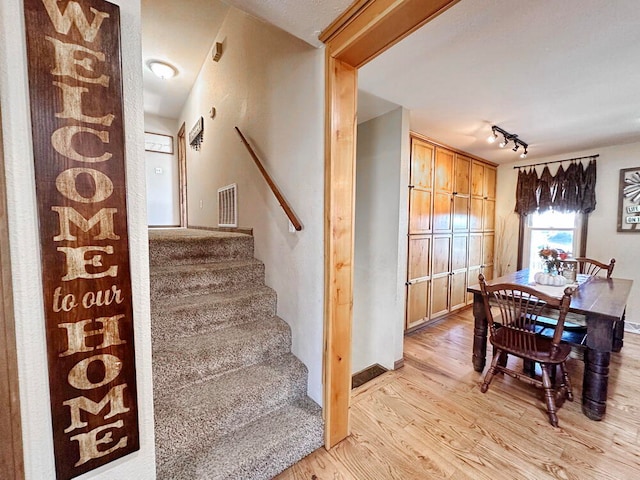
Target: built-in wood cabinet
<point>451,229</point>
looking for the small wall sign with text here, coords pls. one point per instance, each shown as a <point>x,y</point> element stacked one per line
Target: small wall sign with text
<point>629,200</point>
<point>75,89</point>
<point>196,134</point>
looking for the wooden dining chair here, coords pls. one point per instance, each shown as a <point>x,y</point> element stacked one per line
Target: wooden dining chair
<point>515,331</point>
<point>589,266</point>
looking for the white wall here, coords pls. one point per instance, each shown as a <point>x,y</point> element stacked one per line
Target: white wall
<point>25,247</point>
<point>603,240</point>
<point>380,240</point>
<point>163,186</point>
<point>270,85</point>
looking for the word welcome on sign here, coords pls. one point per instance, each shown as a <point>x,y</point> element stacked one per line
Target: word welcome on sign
<point>75,85</point>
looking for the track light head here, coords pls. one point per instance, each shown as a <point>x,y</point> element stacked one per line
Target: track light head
<point>492,138</point>
<point>506,138</point>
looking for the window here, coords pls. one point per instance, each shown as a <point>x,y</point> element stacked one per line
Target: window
<point>561,231</point>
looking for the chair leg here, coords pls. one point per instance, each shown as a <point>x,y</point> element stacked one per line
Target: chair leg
<point>497,355</point>
<point>566,382</point>
<point>529,368</point>
<point>549,395</point>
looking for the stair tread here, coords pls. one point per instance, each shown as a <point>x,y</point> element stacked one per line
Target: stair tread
<point>259,450</point>
<point>186,360</point>
<point>208,410</point>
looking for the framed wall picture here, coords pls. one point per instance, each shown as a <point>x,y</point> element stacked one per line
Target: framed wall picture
<point>157,142</point>
<point>629,200</point>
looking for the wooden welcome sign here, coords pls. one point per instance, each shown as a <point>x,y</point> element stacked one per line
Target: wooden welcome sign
<point>75,84</point>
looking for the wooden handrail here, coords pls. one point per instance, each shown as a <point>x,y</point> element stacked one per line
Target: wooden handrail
<point>283,203</point>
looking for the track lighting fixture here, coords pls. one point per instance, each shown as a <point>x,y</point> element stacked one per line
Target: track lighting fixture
<point>506,138</point>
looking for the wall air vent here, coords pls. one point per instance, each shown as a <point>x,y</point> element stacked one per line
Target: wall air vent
<point>228,206</point>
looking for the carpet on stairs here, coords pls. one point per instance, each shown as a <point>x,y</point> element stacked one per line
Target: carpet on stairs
<point>230,398</point>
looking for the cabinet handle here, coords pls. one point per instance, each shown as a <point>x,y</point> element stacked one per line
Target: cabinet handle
<point>412,186</point>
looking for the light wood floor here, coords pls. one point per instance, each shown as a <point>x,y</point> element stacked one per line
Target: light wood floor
<point>430,420</point>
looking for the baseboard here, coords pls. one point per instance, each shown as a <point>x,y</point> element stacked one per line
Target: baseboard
<point>632,327</point>
<point>366,375</point>
<point>245,230</point>
<point>398,364</point>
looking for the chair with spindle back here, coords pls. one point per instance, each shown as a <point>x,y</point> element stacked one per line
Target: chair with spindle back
<point>516,332</point>
<point>589,266</point>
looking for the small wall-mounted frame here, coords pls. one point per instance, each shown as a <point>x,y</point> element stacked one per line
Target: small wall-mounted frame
<point>629,200</point>
<point>196,134</point>
<point>157,142</point>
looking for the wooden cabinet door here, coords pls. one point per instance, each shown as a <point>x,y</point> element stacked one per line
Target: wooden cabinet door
<point>477,179</point>
<point>442,211</point>
<point>418,303</point>
<point>488,215</point>
<point>440,273</point>
<point>458,296</point>
<point>487,248</point>
<point>489,190</point>
<point>476,214</point>
<point>460,213</point>
<point>419,257</point>
<point>419,211</point>
<point>443,170</point>
<point>459,252</point>
<point>421,175</point>
<point>487,271</point>
<point>440,296</point>
<point>475,250</point>
<point>472,279</point>
<point>462,185</point>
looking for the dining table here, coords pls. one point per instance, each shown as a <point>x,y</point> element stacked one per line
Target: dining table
<point>600,302</point>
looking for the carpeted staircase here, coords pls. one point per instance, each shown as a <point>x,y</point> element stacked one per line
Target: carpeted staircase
<point>230,398</point>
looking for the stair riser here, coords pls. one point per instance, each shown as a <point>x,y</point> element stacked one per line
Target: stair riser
<point>198,282</point>
<point>189,252</point>
<point>206,425</point>
<point>191,320</point>
<point>171,371</point>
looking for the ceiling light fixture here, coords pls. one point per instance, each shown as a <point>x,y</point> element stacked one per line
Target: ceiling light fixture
<point>506,138</point>
<point>162,70</point>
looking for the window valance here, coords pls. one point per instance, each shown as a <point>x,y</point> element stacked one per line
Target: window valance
<point>571,189</point>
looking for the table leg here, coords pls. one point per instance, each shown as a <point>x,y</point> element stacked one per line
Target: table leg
<point>594,387</point>
<point>618,334</point>
<point>479,333</point>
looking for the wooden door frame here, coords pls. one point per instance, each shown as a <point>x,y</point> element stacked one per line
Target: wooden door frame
<point>11,454</point>
<point>182,175</point>
<point>363,31</point>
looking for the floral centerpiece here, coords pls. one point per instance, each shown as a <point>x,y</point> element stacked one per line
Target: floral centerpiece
<point>551,259</point>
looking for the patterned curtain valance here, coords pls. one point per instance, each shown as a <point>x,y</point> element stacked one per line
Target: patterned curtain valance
<point>570,190</point>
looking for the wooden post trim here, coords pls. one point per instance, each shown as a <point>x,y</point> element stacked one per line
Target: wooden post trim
<point>341,82</point>
<point>379,24</point>
<point>365,30</point>
<point>11,455</point>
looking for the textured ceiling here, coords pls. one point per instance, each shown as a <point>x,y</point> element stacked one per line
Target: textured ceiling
<point>304,19</point>
<point>564,76</point>
<point>181,34</point>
